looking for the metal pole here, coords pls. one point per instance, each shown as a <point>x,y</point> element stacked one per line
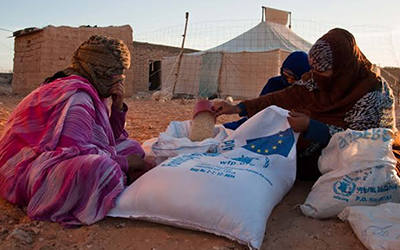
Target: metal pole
<point>180,53</point>
<point>262,13</point>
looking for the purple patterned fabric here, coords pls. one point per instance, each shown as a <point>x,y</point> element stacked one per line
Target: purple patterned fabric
<point>62,157</point>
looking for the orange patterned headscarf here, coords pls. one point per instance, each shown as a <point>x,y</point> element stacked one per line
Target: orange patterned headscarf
<point>101,60</point>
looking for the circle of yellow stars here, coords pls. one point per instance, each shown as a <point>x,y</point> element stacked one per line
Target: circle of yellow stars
<point>274,147</point>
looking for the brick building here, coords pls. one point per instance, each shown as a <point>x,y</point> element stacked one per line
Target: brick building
<point>392,76</point>
<point>40,52</point>
<point>146,64</point>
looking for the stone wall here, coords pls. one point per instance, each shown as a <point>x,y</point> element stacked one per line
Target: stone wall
<point>40,54</point>
<point>144,53</point>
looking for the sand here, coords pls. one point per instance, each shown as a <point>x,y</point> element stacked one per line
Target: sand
<point>287,228</point>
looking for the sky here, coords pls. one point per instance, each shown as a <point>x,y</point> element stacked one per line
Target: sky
<point>375,24</point>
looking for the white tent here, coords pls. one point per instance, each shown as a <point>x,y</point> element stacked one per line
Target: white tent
<point>239,67</point>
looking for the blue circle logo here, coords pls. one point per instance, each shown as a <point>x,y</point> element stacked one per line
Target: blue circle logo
<point>344,188</point>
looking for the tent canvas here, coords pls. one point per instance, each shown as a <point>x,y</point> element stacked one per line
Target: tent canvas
<point>239,67</point>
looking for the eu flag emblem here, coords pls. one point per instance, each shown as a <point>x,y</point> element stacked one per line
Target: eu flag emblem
<point>280,143</point>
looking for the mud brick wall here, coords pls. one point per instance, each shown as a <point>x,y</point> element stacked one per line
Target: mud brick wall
<point>41,54</point>
<point>392,76</point>
<point>5,78</point>
<point>144,54</point>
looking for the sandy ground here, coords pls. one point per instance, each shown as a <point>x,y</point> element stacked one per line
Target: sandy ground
<point>287,228</point>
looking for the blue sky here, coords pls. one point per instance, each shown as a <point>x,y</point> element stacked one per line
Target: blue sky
<point>364,16</point>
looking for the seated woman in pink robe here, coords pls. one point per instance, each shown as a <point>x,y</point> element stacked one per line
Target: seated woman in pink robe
<point>61,155</point>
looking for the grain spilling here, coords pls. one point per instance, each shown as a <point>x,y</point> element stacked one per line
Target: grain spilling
<point>202,126</point>
<point>203,122</point>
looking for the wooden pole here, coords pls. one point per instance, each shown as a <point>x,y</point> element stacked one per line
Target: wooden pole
<point>180,53</point>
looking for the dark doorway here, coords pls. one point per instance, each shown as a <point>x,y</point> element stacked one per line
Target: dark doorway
<point>154,75</point>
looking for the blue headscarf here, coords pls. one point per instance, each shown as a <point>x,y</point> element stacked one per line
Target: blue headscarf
<point>296,63</point>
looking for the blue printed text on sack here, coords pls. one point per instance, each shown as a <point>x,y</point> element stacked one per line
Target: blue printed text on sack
<point>374,199</point>
<point>380,189</point>
<point>175,162</point>
<point>374,135</point>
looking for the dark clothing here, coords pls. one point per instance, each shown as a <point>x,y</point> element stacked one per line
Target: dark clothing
<point>318,132</point>
<point>274,84</point>
<point>234,125</point>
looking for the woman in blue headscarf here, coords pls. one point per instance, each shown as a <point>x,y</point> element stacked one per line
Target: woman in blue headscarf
<point>294,66</point>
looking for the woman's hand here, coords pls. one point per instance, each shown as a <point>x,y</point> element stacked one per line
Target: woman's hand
<point>135,162</point>
<point>298,121</point>
<point>117,92</point>
<point>149,163</point>
<point>138,166</point>
<point>224,108</point>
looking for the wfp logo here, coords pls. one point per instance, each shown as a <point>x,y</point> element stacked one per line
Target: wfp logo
<point>227,145</point>
<point>344,187</point>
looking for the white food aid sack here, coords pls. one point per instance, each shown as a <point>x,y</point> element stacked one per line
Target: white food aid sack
<point>229,193</point>
<point>358,169</point>
<point>175,141</point>
<point>378,228</point>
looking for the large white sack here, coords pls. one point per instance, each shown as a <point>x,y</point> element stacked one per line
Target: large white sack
<point>378,228</point>
<point>229,193</point>
<point>358,169</point>
<point>175,141</point>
